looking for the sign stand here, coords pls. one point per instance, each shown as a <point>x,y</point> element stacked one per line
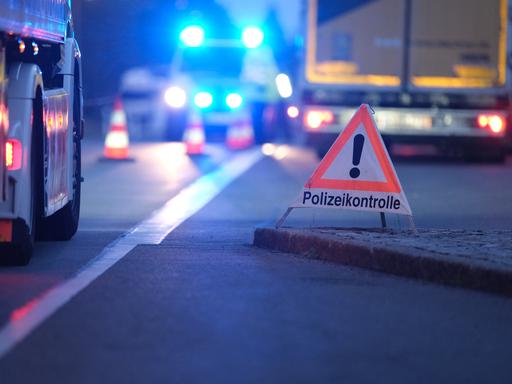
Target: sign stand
<point>412,225</point>
<point>355,174</point>
<point>383,220</point>
<point>283,218</point>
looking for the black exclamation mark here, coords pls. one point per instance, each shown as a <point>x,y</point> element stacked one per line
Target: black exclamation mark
<point>356,155</point>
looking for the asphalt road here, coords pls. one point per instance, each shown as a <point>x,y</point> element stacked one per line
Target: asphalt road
<point>206,306</point>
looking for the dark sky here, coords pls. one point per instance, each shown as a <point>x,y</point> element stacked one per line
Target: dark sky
<point>115,35</point>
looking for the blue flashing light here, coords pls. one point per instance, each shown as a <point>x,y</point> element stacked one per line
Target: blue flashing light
<point>234,100</point>
<point>252,37</point>
<point>192,36</point>
<point>203,99</point>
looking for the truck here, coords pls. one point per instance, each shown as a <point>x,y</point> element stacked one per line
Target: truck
<point>434,71</point>
<point>41,126</point>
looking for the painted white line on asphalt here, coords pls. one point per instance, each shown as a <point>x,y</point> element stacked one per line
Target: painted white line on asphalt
<point>151,231</point>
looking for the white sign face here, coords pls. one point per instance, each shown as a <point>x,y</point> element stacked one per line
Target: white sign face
<point>356,173</point>
<point>356,151</point>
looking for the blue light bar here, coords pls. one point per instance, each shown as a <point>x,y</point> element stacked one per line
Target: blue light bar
<point>192,36</point>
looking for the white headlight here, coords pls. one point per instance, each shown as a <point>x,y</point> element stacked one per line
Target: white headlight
<point>203,99</point>
<point>284,85</point>
<point>175,97</point>
<point>234,100</point>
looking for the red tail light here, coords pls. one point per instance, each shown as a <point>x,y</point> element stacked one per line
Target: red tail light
<point>316,118</point>
<point>494,123</point>
<point>13,154</point>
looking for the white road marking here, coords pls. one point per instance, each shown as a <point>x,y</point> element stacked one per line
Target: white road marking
<point>151,231</point>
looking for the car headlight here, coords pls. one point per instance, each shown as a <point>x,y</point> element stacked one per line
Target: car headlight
<point>234,100</point>
<point>284,85</point>
<point>203,99</point>
<point>175,97</point>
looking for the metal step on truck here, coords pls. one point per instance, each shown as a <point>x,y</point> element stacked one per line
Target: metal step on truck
<point>41,126</point>
<point>435,71</point>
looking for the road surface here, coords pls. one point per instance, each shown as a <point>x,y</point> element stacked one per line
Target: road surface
<point>203,305</point>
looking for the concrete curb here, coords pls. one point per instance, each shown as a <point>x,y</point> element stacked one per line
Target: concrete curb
<point>402,261</point>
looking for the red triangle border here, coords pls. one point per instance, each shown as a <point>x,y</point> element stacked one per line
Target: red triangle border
<point>390,185</point>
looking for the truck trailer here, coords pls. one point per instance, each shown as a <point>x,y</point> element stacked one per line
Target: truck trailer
<point>435,72</point>
<point>41,126</point>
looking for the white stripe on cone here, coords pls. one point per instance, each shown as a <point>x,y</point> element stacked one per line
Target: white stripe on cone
<point>194,136</point>
<point>240,135</point>
<point>117,140</point>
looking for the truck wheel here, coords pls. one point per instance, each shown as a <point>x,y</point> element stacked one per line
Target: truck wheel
<point>22,254</point>
<point>25,234</point>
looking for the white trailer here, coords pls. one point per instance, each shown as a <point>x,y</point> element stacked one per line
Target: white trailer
<point>436,71</point>
<point>41,126</point>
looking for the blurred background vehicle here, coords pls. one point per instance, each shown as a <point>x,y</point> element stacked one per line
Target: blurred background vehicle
<point>434,76</point>
<point>206,78</point>
<point>137,59</point>
<point>141,90</point>
<point>222,79</point>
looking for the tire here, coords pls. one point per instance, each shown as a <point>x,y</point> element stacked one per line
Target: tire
<point>63,224</point>
<point>22,250</point>
<point>25,235</point>
<point>23,253</point>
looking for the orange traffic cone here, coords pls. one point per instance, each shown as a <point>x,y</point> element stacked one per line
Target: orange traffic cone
<point>240,134</point>
<point>194,137</point>
<point>117,141</point>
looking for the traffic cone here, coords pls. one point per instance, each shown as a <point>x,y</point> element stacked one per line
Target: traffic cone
<point>117,141</point>
<point>240,134</point>
<point>193,136</point>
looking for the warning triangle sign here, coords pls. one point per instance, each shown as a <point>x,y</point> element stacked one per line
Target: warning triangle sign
<point>356,173</point>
